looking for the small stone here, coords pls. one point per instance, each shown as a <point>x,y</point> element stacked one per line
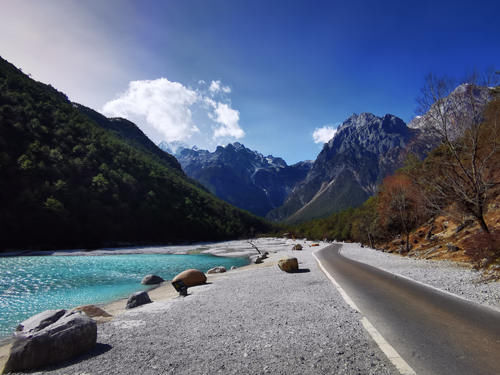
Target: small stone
<point>92,311</point>
<point>297,247</point>
<point>138,299</point>
<point>219,269</point>
<point>151,280</point>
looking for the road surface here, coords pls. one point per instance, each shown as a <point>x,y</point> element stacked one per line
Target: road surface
<point>434,332</point>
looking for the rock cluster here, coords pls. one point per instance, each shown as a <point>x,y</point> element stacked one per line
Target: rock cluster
<point>257,259</point>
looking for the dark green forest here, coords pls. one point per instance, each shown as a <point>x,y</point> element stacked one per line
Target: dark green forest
<point>71,178</point>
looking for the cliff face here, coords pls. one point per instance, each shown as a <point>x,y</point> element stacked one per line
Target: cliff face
<point>365,149</point>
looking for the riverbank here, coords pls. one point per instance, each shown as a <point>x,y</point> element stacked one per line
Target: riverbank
<point>255,319</point>
<point>236,248</point>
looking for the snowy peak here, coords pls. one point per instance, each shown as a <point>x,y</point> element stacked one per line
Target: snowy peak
<point>242,176</point>
<point>172,147</point>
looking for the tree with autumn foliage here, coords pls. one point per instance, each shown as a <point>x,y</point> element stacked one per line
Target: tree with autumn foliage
<point>400,206</point>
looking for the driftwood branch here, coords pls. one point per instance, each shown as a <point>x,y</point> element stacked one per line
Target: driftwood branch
<point>254,246</point>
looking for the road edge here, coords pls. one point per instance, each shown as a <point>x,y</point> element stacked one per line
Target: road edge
<point>392,355</point>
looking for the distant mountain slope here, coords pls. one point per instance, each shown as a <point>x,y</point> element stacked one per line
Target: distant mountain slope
<point>466,101</point>
<point>243,177</point>
<point>72,178</point>
<point>131,133</point>
<point>365,149</point>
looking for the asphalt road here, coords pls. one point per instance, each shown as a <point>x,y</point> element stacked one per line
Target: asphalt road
<point>434,332</point>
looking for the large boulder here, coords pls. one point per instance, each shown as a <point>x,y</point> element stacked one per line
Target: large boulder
<point>39,321</point>
<point>191,277</point>
<point>288,264</point>
<point>138,299</point>
<point>219,269</point>
<point>151,280</point>
<point>297,247</point>
<point>49,338</point>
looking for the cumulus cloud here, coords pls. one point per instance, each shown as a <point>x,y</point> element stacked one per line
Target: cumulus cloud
<point>228,118</point>
<point>173,112</point>
<point>216,86</point>
<point>323,134</point>
<point>164,104</point>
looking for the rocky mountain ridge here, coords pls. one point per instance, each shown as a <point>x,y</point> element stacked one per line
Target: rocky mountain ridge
<point>241,176</point>
<point>365,149</point>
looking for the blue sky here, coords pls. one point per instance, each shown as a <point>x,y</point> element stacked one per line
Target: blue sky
<point>264,73</point>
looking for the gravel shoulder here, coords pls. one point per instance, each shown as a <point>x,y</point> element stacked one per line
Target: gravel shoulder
<point>445,275</point>
<point>252,320</point>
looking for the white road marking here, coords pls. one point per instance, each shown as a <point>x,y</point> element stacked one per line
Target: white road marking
<point>443,291</point>
<point>392,355</point>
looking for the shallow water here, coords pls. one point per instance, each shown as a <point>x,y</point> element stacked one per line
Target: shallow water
<point>31,284</point>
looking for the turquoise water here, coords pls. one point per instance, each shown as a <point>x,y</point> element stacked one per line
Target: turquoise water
<point>31,284</point>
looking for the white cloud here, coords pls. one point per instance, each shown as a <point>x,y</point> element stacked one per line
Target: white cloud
<point>323,134</point>
<point>164,104</point>
<point>229,119</point>
<point>216,86</point>
<point>169,111</point>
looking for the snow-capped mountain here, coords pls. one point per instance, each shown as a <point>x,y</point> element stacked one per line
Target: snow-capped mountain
<point>243,177</point>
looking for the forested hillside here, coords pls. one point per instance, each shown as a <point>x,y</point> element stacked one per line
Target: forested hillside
<point>72,178</point>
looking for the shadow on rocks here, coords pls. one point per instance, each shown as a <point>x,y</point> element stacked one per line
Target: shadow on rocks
<point>302,270</point>
<point>95,352</point>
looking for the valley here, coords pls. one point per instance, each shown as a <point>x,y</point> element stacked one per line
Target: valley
<point>249,187</point>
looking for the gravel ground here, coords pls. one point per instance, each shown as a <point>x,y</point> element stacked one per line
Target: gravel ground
<point>444,275</point>
<point>250,321</point>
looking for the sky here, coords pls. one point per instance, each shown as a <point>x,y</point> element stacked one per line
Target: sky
<point>276,76</point>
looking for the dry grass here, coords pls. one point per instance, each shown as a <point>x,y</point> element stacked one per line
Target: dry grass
<point>474,247</point>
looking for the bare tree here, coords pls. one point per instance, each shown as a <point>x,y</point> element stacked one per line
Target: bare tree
<point>470,142</point>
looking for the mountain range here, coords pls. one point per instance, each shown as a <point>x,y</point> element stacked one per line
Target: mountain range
<point>364,150</point>
<point>242,177</point>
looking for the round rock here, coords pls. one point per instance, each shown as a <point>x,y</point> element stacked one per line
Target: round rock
<point>151,280</point>
<point>288,264</point>
<point>191,277</point>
